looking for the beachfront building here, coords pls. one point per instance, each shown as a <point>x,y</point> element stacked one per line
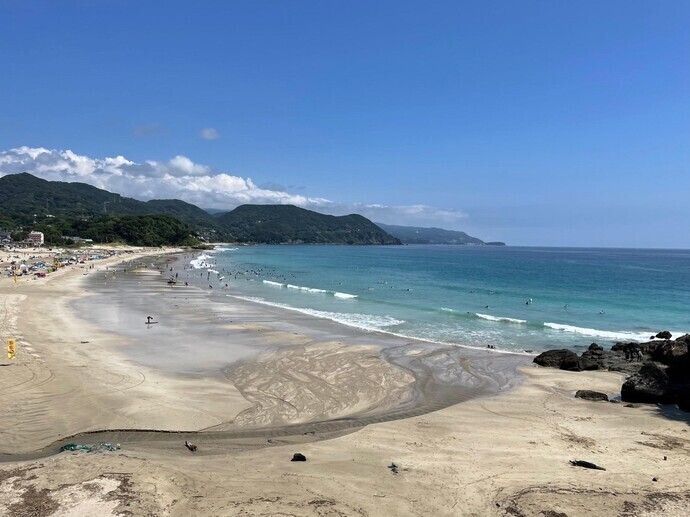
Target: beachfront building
<point>36,238</point>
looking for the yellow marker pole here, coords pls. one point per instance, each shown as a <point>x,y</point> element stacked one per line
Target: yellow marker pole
<point>11,348</point>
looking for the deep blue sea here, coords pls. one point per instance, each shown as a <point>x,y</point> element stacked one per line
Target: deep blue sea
<point>513,298</point>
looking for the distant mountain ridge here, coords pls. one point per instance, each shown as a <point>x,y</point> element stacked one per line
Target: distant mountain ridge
<point>420,235</point>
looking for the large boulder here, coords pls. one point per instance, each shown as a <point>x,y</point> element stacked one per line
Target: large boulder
<point>670,352</point>
<point>594,358</point>
<point>650,385</point>
<point>591,395</point>
<point>562,359</point>
<point>665,334</point>
<point>589,363</point>
<point>646,347</point>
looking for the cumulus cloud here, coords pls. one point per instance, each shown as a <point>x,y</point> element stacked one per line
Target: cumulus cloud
<point>209,133</point>
<point>182,178</point>
<point>179,177</point>
<point>405,215</point>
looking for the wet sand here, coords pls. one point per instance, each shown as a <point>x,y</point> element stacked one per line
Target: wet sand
<point>229,367</point>
<point>261,384</point>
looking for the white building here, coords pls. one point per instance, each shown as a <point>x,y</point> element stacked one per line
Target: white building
<point>36,238</point>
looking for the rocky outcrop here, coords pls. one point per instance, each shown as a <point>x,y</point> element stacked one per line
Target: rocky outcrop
<point>669,352</point>
<point>594,358</point>
<point>659,370</point>
<point>591,395</point>
<point>665,334</point>
<point>650,384</point>
<point>562,359</point>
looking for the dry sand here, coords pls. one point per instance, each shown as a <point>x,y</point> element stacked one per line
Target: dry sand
<point>500,455</point>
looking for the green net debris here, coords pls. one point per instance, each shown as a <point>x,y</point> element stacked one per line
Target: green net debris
<point>90,448</point>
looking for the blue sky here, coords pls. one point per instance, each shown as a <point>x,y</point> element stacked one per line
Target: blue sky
<point>536,123</point>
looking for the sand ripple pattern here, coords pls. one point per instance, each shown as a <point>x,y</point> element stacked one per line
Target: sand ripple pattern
<point>319,381</point>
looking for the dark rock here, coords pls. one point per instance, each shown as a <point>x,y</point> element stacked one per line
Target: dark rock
<point>644,347</point>
<point>655,479</point>
<point>586,464</point>
<point>630,405</point>
<point>649,385</point>
<point>298,456</point>
<point>563,359</point>
<point>618,347</point>
<point>670,352</point>
<point>588,363</point>
<point>664,335</point>
<point>594,347</point>
<point>591,395</point>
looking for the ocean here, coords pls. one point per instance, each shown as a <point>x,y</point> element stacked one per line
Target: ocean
<point>513,298</point>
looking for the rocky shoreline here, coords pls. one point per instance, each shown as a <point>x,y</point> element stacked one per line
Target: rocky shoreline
<point>658,370</point>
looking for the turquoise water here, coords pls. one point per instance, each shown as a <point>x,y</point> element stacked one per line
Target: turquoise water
<point>474,296</point>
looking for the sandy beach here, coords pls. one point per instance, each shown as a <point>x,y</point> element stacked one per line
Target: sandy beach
<point>470,432</point>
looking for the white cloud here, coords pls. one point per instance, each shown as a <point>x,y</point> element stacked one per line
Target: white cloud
<point>404,215</point>
<point>209,133</point>
<point>182,178</point>
<point>179,178</point>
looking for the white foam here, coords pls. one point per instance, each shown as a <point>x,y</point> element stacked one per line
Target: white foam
<point>306,289</point>
<point>200,262</point>
<point>223,249</point>
<point>500,318</point>
<point>271,283</point>
<point>344,296</point>
<point>361,321</point>
<point>364,322</point>
<point>612,335</point>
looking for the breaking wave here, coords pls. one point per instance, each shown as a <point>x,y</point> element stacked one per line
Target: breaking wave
<point>361,321</point>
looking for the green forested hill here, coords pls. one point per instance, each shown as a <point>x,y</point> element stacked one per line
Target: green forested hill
<point>275,224</point>
<point>77,209</point>
<point>22,196</point>
<point>138,230</point>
